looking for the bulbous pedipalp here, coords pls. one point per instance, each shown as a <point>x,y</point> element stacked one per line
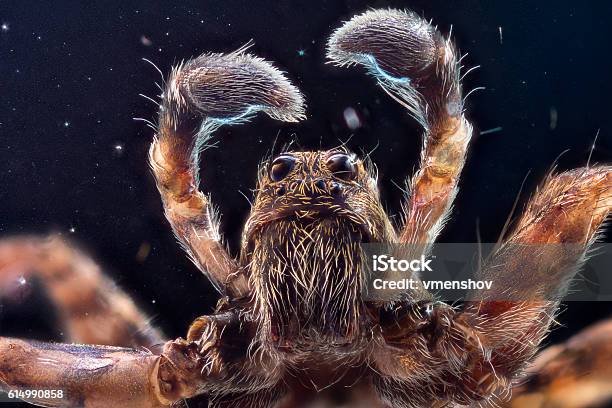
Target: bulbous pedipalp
<point>398,44</point>
<point>228,88</point>
<point>409,58</point>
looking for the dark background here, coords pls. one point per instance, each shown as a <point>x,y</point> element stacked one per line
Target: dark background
<point>71,72</point>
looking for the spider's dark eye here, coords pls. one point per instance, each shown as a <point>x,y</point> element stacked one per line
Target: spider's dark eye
<point>281,167</point>
<point>342,166</point>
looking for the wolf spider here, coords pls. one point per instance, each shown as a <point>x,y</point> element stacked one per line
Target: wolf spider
<point>292,324</point>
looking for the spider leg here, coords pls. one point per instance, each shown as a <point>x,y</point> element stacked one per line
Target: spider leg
<point>218,358</point>
<point>83,376</point>
<point>92,309</point>
<point>547,246</point>
<point>534,266</point>
<point>575,373</point>
<point>478,352</point>
<point>200,96</point>
<point>418,68</point>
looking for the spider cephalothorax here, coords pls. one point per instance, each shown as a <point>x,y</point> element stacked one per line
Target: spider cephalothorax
<point>294,319</point>
<point>302,245</point>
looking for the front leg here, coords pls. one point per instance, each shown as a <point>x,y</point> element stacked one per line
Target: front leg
<point>200,96</point>
<point>218,357</point>
<point>418,68</point>
<point>82,376</point>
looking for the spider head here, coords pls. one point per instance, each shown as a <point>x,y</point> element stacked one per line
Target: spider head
<point>315,187</point>
<point>302,243</point>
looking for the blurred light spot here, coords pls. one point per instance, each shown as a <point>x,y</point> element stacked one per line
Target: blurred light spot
<point>554,116</point>
<point>146,41</point>
<point>143,251</point>
<point>351,118</point>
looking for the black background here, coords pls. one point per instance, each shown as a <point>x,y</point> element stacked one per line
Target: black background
<point>71,72</point>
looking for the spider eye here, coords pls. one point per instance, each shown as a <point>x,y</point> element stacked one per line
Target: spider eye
<point>281,167</point>
<point>342,166</point>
